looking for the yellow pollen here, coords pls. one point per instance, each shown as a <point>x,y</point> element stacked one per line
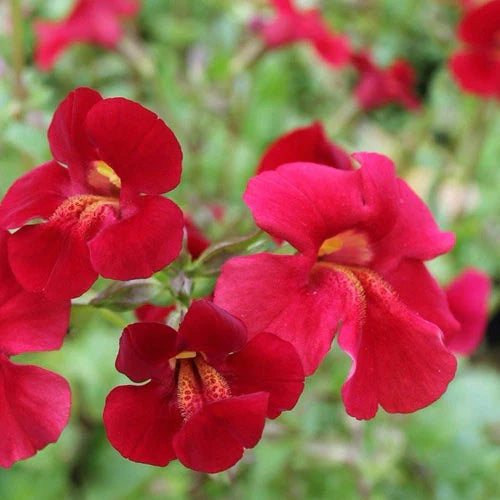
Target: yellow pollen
<point>186,355</point>
<point>105,170</point>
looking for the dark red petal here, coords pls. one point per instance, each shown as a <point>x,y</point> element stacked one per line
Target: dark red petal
<point>140,422</point>
<point>214,439</point>
<point>29,322</point>
<point>196,240</point>
<point>151,313</point>
<point>305,203</point>
<point>136,144</point>
<point>52,260</point>
<point>399,359</point>
<point>419,291</point>
<point>209,329</point>
<point>305,144</point>
<point>468,296</point>
<point>35,195</point>
<point>276,294</point>
<point>145,351</point>
<point>480,26</point>
<point>68,139</point>
<point>477,72</point>
<point>35,409</point>
<point>267,364</point>
<point>145,240</point>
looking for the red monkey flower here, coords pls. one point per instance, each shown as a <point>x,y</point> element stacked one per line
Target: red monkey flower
<point>477,66</point>
<point>90,21</point>
<point>208,394</point>
<point>378,87</point>
<point>362,237</point>
<point>102,213</point>
<point>468,297</point>
<point>306,144</point>
<point>35,403</point>
<point>291,25</point>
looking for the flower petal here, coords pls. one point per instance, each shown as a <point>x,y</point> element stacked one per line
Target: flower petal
<point>277,295</point>
<point>305,203</point>
<point>145,351</point>
<point>140,422</point>
<point>47,258</point>
<point>399,359</point>
<point>209,329</point>
<point>35,409</point>
<point>136,144</point>
<point>196,240</point>
<point>419,291</point>
<point>414,234</point>
<point>468,296</point>
<point>214,439</point>
<point>268,364</point>
<point>68,139</point>
<point>480,25</point>
<point>150,313</point>
<point>305,144</point>
<point>35,195</point>
<point>145,240</point>
<point>477,72</point>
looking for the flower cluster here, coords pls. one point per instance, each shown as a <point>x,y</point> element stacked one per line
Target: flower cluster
<point>353,237</point>
<point>376,86</point>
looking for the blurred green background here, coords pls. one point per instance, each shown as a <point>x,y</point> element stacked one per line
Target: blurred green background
<point>186,61</point>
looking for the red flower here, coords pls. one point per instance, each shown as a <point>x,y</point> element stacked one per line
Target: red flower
<point>477,66</point>
<point>468,297</point>
<point>378,87</point>
<point>90,21</point>
<point>306,144</point>
<point>291,25</point>
<point>96,219</point>
<point>209,391</point>
<point>35,403</point>
<point>362,237</point>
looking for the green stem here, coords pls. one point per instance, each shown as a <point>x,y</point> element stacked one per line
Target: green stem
<point>18,49</point>
<point>113,318</point>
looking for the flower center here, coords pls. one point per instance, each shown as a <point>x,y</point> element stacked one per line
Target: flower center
<point>103,178</point>
<point>349,247</point>
<point>84,211</point>
<point>198,383</point>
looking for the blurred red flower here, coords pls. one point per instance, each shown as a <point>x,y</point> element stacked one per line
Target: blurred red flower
<point>378,87</point>
<point>291,25</point>
<point>305,144</point>
<point>476,67</point>
<point>468,297</point>
<point>96,218</point>
<point>362,237</point>
<point>35,402</point>
<point>208,394</point>
<point>90,21</point>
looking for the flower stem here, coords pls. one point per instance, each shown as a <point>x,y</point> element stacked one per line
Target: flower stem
<point>18,49</point>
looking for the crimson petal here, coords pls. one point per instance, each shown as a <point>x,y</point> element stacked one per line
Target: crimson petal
<point>35,409</point>
<point>214,439</point>
<point>140,422</point>
<point>145,240</point>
